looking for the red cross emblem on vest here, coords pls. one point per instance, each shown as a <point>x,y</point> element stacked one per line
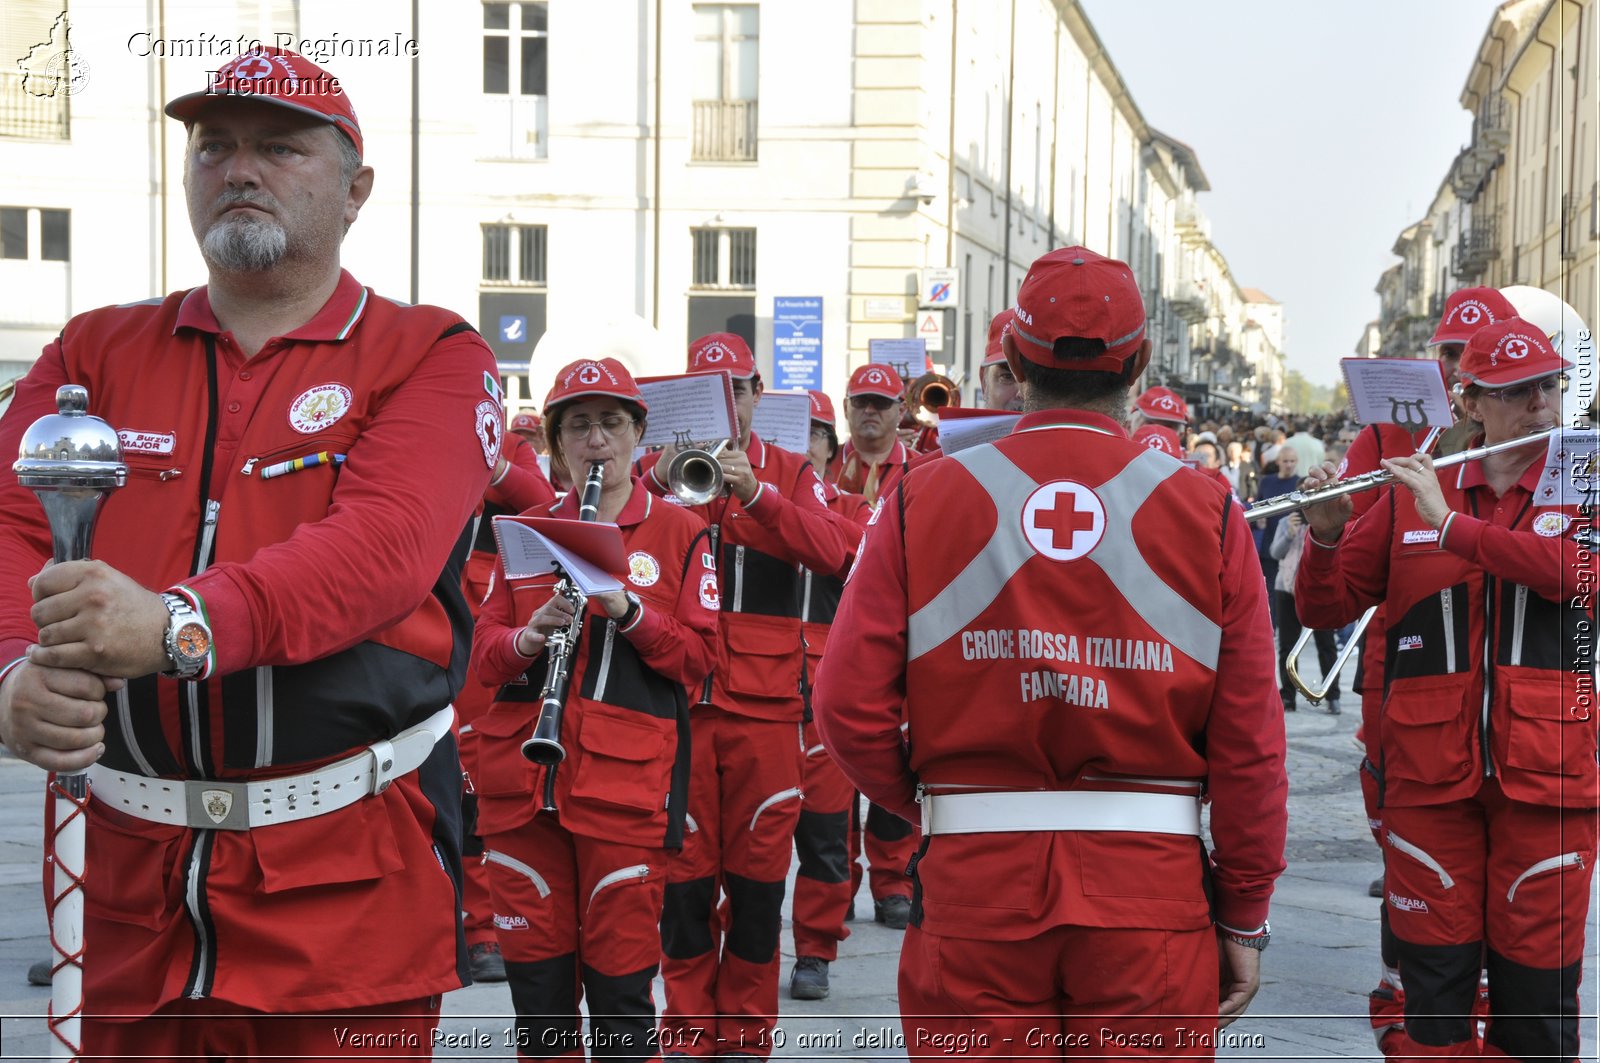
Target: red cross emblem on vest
<point>1063,520</point>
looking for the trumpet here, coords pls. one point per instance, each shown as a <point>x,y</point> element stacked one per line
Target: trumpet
<point>694,475</point>
<point>1298,499</point>
<point>928,394</point>
<point>544,746</point>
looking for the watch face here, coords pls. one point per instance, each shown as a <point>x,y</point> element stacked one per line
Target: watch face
<point>193,641</point>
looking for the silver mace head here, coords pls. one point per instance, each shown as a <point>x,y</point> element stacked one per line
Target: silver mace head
<point>71,460</point>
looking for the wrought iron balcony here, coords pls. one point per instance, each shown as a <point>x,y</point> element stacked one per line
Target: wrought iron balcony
<point>1478,246</point>
<point>31,116</point>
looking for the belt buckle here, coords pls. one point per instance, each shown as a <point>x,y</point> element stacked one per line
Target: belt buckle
<point>217,805</point>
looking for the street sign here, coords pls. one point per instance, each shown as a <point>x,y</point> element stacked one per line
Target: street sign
<point>940,289</point>
<point>797,342</point>
<point>930,327</point>
<point>910,355</point>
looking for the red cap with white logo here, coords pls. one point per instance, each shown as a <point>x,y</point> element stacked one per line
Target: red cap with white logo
<point>280,77</point>
<point>822,408</point>
<point>1467,310</point>
<point>1074,292</point>
<point>1509,352</point>
<point>722,350</point>
<point>589,378</point>
<point>525,422</point>
<point>994,353</point>
<point>874,379</point>
<point>1163,404</point>
<point>1159,437</point>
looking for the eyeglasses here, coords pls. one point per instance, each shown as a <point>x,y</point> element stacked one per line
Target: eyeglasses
<point>1550,385</point>
<point>613,425</point>
<point>819,433</point>
<point>871,402</point>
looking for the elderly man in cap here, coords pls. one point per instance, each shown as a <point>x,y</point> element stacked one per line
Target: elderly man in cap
<point>275,612</point>
<point>873,458</point>
<point>1101,606</point>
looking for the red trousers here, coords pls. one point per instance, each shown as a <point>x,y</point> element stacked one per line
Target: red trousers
<point>576,919</point>
<point>477,915</point>
<point>744,802</point>
<point>824,840</point>
<point>215,1029</point>
<point>1489,882</point>
<point>1069,991</point>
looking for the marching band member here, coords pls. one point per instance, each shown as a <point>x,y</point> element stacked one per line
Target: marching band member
<point>517,484</point>
<point>744,794</point>
<point>577,892</point>
<point>1120,593</point>
<point>1466,310</point>
<point>279,585</point>
<point>1000,388</point>
<point>827,837</point>
<point>1486,766</point>
<point>1161,406</point>
<point>874,457</point>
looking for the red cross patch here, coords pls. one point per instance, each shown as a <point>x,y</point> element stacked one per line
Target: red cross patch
<point>1063,520</point>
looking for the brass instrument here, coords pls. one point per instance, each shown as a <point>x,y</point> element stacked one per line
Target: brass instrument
<point>694,475</point>
<point>1300,499</point>
<point>928,394</point>
<point>1291,664</point>
<point>544,747</point>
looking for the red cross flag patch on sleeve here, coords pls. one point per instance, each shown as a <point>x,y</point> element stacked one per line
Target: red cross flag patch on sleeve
<point>489,422</point>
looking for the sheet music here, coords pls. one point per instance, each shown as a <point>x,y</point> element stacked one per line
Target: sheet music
<point>1571,474</point>
<point>525,553</point>
<point>700,404</point>
<point>784,418</point>
<point>959,433</point>
<point>1408,392</point>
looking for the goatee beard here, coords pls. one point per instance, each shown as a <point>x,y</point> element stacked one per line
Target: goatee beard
<point>245,244</point>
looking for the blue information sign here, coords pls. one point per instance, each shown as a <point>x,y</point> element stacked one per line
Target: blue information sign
<point>796,342</point>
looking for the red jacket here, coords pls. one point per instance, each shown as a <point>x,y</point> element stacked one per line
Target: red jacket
<point>334,598</point>
<point>626,723</point>
<point>762,549</point>
<point>819,596</point>
<point>874,481</point>
<point>1484,620</point>
<point>1153,663</point>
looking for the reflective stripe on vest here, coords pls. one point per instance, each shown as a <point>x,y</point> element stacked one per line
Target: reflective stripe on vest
<point>1117,555</point>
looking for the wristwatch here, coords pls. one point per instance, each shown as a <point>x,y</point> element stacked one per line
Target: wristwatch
<point>1254,941</point>
<point>188,639</point>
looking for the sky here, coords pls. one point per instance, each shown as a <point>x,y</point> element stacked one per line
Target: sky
<point>1323,128</point>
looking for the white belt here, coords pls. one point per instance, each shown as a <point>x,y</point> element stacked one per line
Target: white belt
<point>215,804</point>
<point>1053,810</point>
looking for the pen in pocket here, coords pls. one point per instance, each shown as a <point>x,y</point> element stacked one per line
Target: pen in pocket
<point>310,461</point>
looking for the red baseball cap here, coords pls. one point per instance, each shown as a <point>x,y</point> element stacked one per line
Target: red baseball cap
<point>276,76</point>
<point>1467,310</point>
<point>994,353</point>
<point>1163,404</point>
<point>525,422</point>
<point>1159,437</point>
<point>822,408</point>
<point>589,378</point>
<point>1508,352</point>
<point>875,379</point>
<point>722,350</point>
<point>1074,292</point>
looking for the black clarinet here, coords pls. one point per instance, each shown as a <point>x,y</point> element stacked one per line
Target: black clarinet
<point>544,747</point>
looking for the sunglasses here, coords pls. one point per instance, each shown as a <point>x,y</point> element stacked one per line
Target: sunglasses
<point>871,402</point>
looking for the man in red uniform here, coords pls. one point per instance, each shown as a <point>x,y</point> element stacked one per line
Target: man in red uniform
<point>286,637</point>
<point>827,838</point>
<point>1486,767</point>
<point>873,457</point>
<point>744,793</point>
<point>1000,390</point>
<point>1466,310</point>
<point>1077,634</point>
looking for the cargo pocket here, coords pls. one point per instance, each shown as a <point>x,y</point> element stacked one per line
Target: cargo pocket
<point>1130,864</point>
<point>1423,737</point>
<point>144,858</point>
<point>625,758</point>
<point>984,870</point>
<point>361,835</point>
<point>504,780</point>
<point>1550,739</point>
<point>763,656</point>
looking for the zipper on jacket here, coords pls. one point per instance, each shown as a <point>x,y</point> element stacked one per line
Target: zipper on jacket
<point>1447,605</point>
<point>805,595</point>
<point>1565,860</point>
<point>738,579</point>
<point>605,661</point>
<point>203,961</point>
<point>1488,673</point>
<point>639,872</point>
<point>1519,616</point>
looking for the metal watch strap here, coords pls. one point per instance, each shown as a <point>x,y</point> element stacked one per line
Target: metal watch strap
<point>1253,941</point>
<point>179,613</point>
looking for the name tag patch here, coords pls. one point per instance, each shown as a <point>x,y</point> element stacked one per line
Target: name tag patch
<point>1420,535</point>
<point>134,442</point>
